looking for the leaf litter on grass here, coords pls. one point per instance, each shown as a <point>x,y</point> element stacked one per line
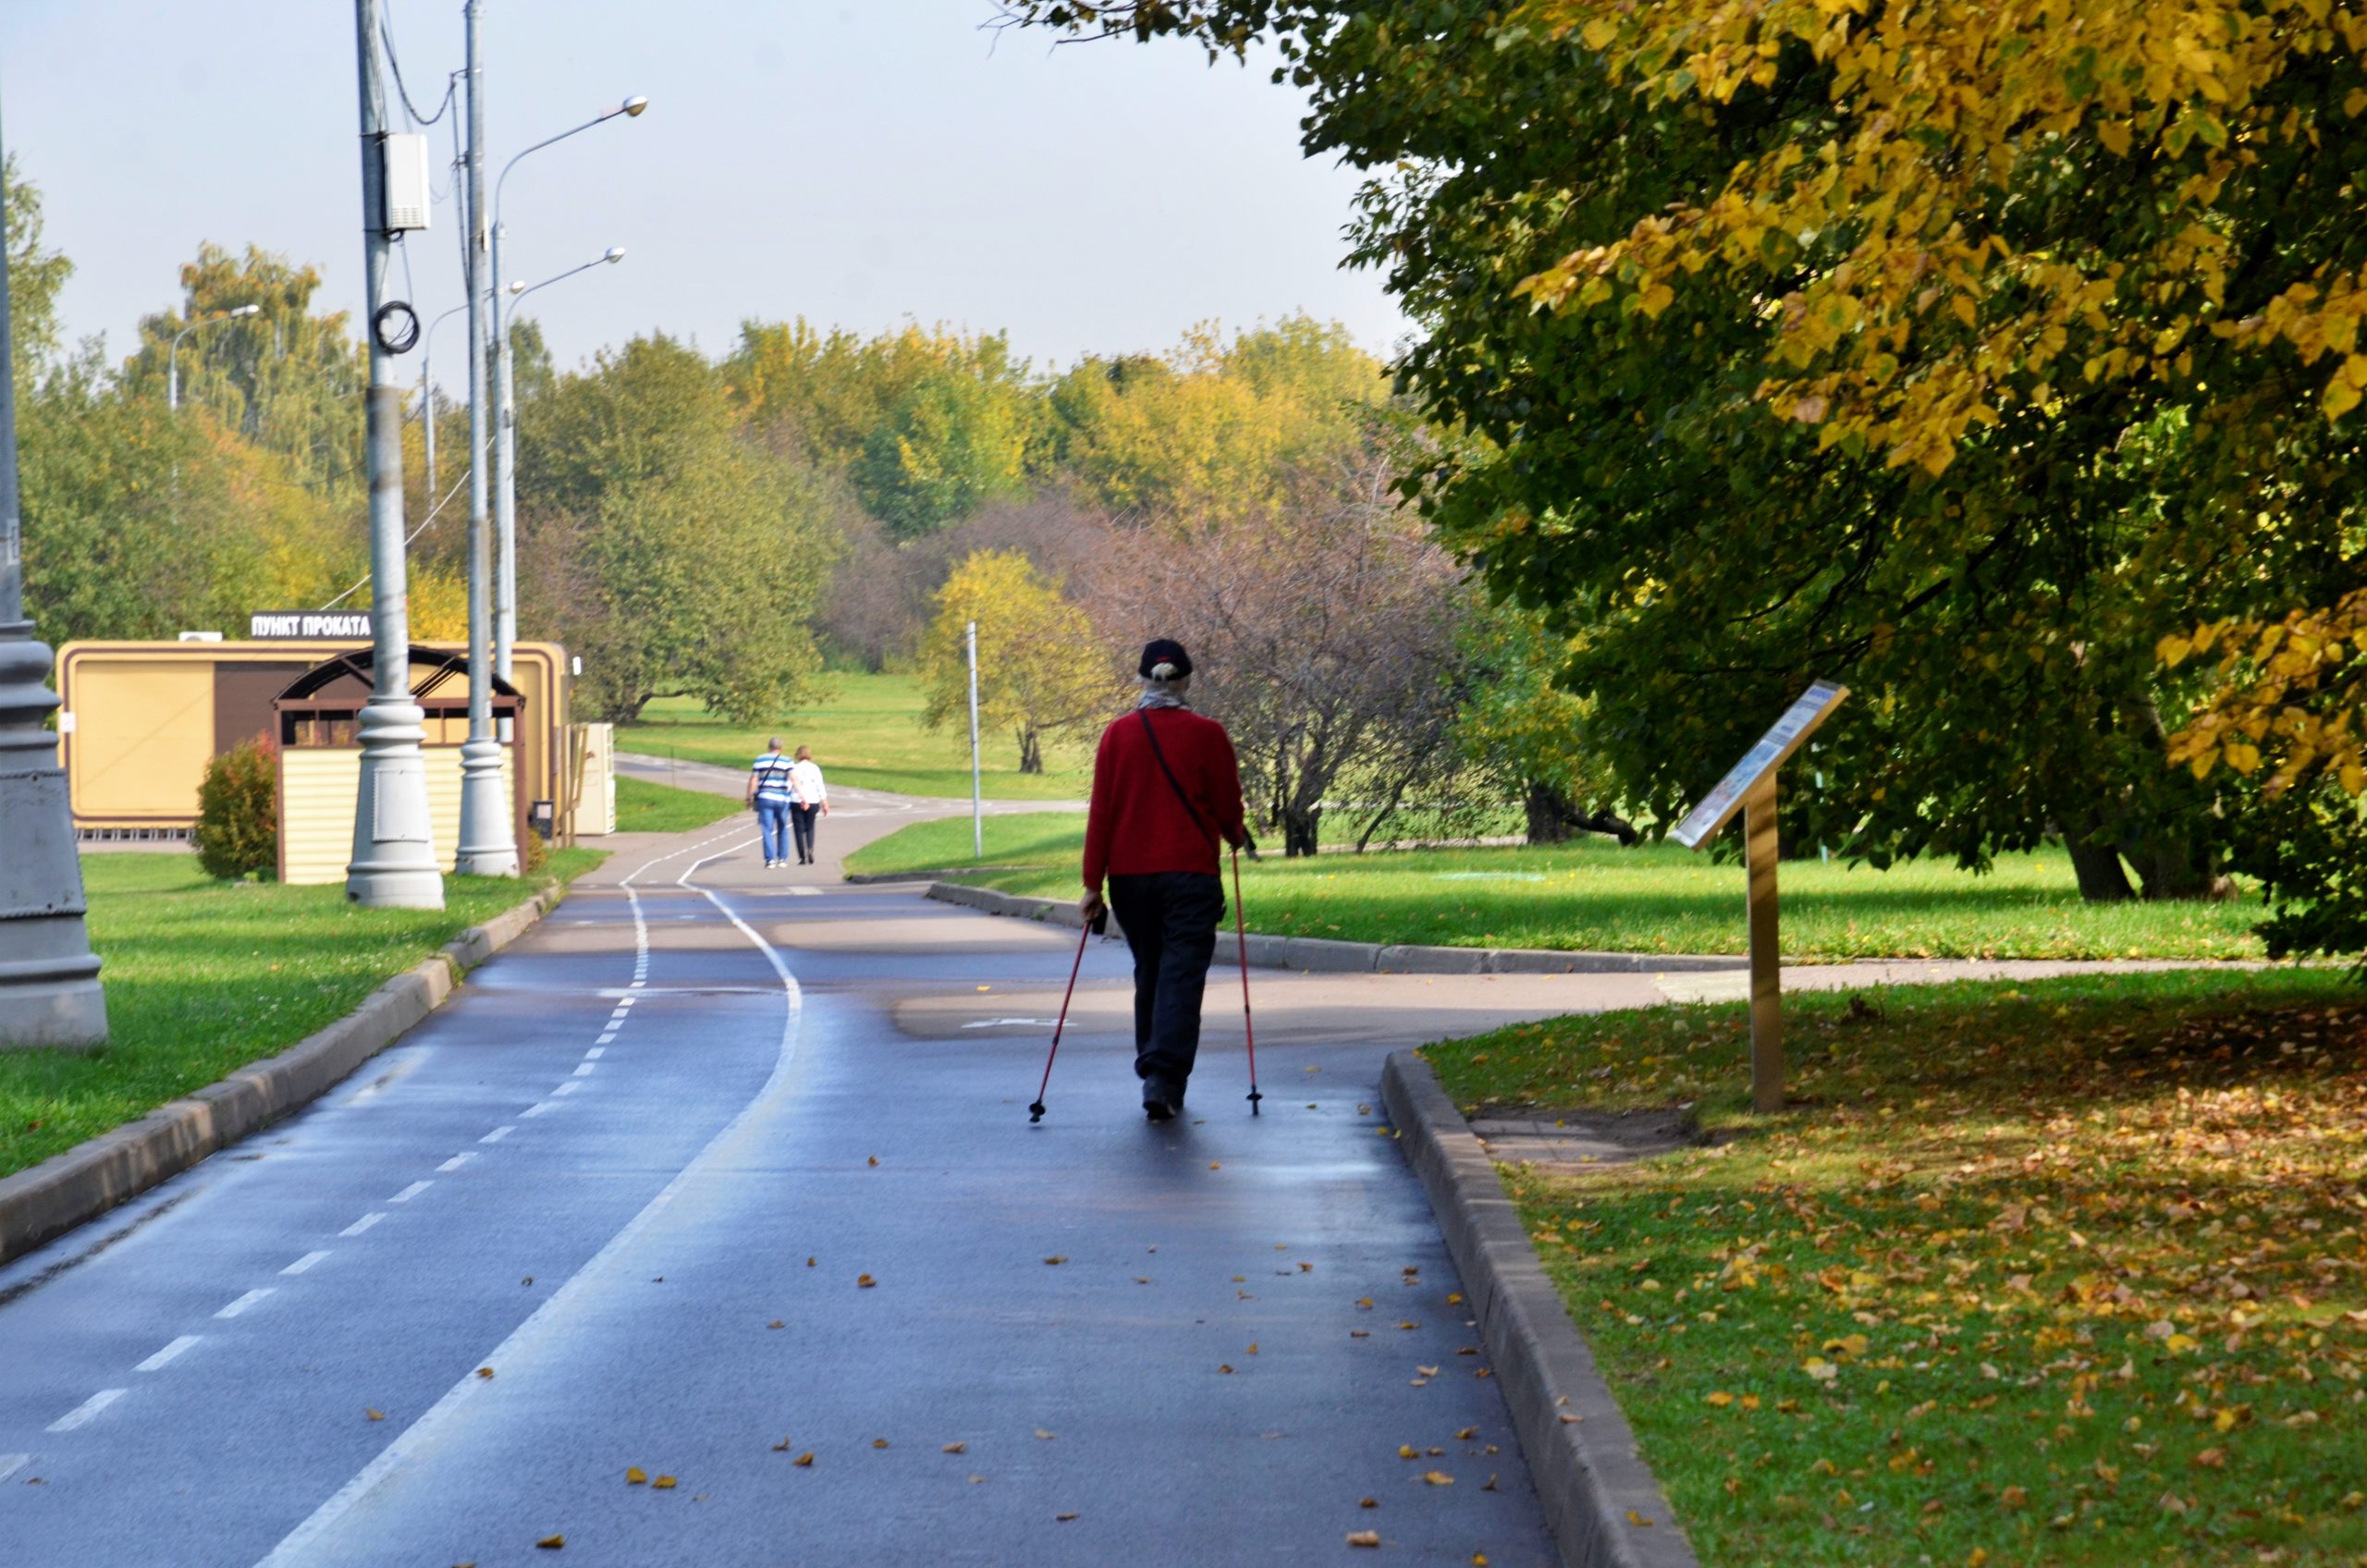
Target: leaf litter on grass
<point>2069,1271</point>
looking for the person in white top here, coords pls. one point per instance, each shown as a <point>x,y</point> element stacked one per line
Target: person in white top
<point>808,797</point>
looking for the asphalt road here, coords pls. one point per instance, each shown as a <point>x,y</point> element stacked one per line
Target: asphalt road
<point>720,1168</point>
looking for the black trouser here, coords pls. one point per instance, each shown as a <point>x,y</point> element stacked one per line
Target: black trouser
<point>800,823</point>
<point>1170,918</point>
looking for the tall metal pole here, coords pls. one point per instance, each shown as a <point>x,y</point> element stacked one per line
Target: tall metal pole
<point>427,417</point>
<point>505,477</point>
<point>393,861</point>
<point>978,793</point>
<point>49,979</point>
<point>488,845</point>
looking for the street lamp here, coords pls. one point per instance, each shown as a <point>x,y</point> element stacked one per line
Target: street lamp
<point>505,615</point>
<point>172,355</point>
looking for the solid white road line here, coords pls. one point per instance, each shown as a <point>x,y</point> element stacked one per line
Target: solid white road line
<point>498,1133</point>
<point>84,1410</point>
<point>157,1361</point>
<point>455,1163</point>
<point>361,1224</point>
<point>12,1462</point>
<point>304,1264</point>
<point>244,1302</point>
<point>296,1546</point>
<point>411,1191</point>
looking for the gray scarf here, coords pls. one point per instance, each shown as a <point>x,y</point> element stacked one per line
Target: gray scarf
<point>1158,695</point>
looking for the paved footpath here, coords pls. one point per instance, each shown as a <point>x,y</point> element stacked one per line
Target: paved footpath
<point>617,1206</point>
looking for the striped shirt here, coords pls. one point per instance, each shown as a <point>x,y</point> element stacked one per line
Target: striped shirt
<point>772,772</point>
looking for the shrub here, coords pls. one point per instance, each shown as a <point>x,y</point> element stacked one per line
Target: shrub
<point>237,811</point>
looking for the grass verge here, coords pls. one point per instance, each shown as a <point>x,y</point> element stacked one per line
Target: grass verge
<point>1652,898</point>
<point>866,731</point>
<point>205,977</point>
<point>644,807</point>
<point>2070,1272</point>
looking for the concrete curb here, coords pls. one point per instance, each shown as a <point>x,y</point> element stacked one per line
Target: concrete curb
<point>1581,1451</point>
<point>1325,956</point>
<point>45,1201</point>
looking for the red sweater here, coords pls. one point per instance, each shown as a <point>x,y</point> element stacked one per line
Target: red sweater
<point>1137,825</point>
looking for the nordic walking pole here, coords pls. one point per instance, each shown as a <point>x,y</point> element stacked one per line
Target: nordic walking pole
<point>1241,951</point>
<point>1036,1111</point>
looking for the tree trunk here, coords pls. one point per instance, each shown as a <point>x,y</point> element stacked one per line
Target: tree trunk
<point>2102,877</point>
<point>1549,815</point>
<point>2169,866</point>
<point>1299,827</point>
<point>1031,750</point>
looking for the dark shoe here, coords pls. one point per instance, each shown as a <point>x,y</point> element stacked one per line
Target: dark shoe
<point>1160,1099</point>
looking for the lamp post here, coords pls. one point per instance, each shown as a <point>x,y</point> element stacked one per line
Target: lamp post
<point>394,864</point>
<point>505,614</point>
<point>487,844</point>
<point>505,458</point>
<point>427,395</point>
<point>173,354</point>
<point>49,979</point>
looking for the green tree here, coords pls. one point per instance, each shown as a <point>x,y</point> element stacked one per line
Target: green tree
<point>1527,735</point>
<point>1041,670</point>
<point>678,558</point>
<point>284,379</point>
<point>1959,355</point>
<point>949,446</point>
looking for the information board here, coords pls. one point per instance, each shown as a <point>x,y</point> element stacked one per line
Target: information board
<point>1701,824</point>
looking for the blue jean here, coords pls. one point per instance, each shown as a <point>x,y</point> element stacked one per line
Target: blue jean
<point>772,818</point>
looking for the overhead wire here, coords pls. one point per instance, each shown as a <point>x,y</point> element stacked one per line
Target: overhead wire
<point>386,36</point>
<point>408,538</point>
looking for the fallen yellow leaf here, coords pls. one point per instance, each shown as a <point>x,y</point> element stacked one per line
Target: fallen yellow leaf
<point>484,1371</point>
<point>1364,1538</point>
<point>1064,1518</point>
<point>635,1475</point>
<point>865,1281</point>
<point>879,1442</point>
<point>775,1323</point>
<point>1226,1366</point>
<point>1638,1520</point>
<point>1043,1434</point>
<point>781,1447</point>
<point>1408,1450</point>
<point>1055,1260</point>
<point>663,1484</point>
<point>373,1414</point>
<point>1370,1503</point>
<point>1720,1399</point>
<point>551,1543</point>
<point>875,1159</point>
<point>955,1448</point>
<point>1438,1477</point>
<point>804,1461</point>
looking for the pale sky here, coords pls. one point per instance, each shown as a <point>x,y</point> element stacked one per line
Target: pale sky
<point>856,164</point>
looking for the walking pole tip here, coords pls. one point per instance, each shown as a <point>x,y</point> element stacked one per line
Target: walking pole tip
<point>1036,1113</point>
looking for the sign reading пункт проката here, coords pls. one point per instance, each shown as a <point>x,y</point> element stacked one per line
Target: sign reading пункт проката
<point>266,626</point>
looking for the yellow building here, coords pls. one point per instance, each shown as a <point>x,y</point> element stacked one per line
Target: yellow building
<point>139,721</point>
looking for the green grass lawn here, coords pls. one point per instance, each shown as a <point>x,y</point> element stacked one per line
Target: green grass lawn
<point>204,976</point>
<point>2070,1273</point>
<point>866,732</point>
<point>1592,894</point>
<point>644,807</point>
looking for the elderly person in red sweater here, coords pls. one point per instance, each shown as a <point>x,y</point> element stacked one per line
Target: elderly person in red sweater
<point>1166,791</point>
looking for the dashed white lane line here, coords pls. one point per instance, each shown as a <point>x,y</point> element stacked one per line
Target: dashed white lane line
<point>567,1088</point>
<point>596,1053</point>
<point>304,1264</point>
<point>157,1361</point>
<point>12,1462</point>
<point>244,1302</point>
<point>498,1133</point>
<point>585,1070</point>
<point>87,1408</point>
<point>536,1110</point>
<point>637,984</point>
<point>296,1544</point>
<point>608,1038</point>
<point>805,892</point>
<point>361,1224</point>
<point>455,1163</point>
<point>411,1191</point>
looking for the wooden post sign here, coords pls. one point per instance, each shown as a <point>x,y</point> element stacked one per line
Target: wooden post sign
<point>1749,785</point>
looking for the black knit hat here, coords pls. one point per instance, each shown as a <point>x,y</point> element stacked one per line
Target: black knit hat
<point>1164,651</point>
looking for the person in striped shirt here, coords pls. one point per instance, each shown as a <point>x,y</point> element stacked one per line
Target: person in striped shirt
<point>771,791</point>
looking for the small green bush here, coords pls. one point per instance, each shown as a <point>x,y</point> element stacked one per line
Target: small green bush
<point>237,811</point>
